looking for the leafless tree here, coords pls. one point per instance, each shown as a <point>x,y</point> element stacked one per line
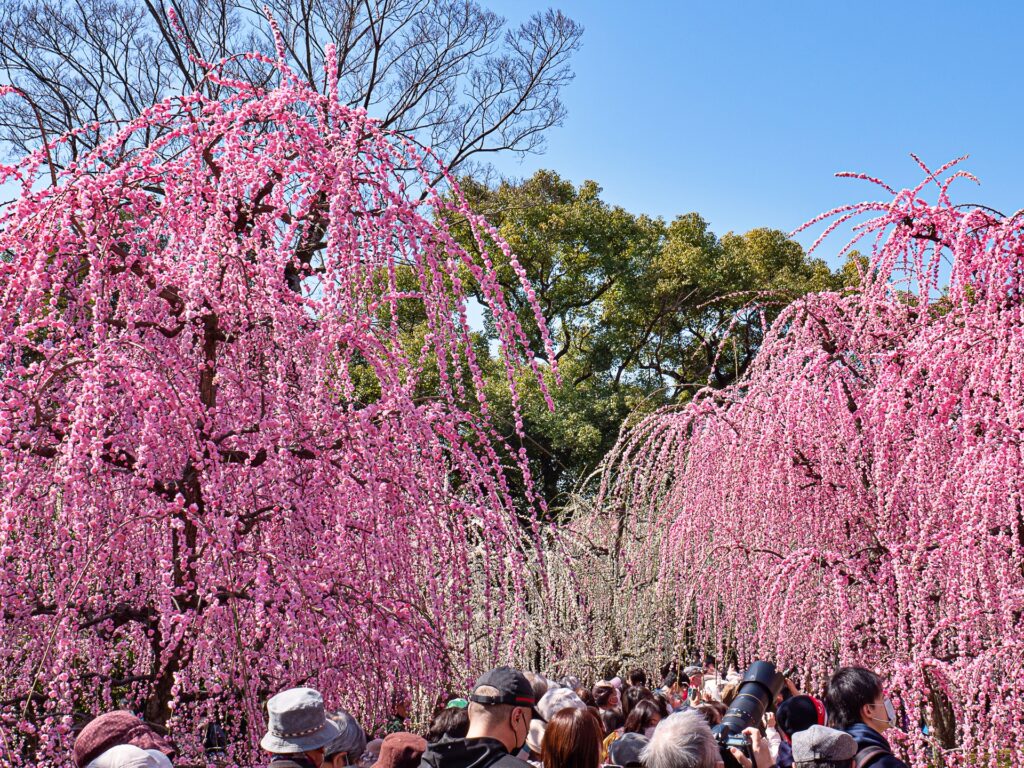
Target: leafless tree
<point>447,73</point>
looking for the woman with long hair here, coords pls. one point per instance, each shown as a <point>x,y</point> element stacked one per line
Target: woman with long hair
<point>572,740</point>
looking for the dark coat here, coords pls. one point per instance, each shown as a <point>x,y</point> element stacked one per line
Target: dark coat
<point>867,737</point>
<point>470,753</point>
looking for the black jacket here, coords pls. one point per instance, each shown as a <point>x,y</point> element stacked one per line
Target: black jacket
<point>867,737</point>
<point>470,753</point>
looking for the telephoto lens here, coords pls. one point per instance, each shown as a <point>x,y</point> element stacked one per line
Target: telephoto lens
<point>761,684</point>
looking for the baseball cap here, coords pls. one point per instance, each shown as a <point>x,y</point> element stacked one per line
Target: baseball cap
<point>512,686</point>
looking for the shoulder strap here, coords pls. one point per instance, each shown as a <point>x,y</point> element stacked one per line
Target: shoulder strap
<point>868,755</point>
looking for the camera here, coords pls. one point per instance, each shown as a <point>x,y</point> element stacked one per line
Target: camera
<point>761,684</point>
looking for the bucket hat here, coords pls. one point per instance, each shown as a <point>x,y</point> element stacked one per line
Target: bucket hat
<point>297,723</point>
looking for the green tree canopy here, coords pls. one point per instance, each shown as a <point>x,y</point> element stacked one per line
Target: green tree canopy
<point>642,312</point>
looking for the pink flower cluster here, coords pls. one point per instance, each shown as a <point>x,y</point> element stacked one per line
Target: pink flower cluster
<point>859,497</point>
<point>219,474</point>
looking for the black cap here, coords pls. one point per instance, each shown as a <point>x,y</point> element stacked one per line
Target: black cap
<point>512,685</point>
<point>625,750</point>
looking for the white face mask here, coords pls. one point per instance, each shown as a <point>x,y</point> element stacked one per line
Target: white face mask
<point>890,715</point>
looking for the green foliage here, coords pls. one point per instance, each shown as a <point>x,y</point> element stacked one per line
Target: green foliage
<point>642,312</point>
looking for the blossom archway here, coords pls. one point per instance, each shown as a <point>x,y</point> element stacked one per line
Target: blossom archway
<point>220,472</point>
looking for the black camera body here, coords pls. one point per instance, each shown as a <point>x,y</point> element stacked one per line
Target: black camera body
<point>761,684</point>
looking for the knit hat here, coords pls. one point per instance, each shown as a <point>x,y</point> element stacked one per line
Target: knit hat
<point>114,728</point>
<point>351,738</point>
<point>401,750</point>
<point>798,713</point>
<point>820,744</point>
<point>625,750</point>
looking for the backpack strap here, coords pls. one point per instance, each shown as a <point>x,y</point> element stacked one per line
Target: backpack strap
<point>868,755</point>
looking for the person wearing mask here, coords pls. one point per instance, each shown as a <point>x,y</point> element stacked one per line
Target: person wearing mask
<point>643,719</point>
<point>499,712</point>
<point>298,730</point>
<point>857,704</point>
<point>572,740</point>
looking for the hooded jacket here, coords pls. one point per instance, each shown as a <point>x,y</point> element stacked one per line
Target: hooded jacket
<point>867,737</point>
<point>470,753</point>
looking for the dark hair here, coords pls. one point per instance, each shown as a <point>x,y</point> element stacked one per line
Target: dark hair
<point>711,713</point>
<point>850,689</point>
<point>633,696</point>
<point>451,723</point>
<point>586,696</point>
<point>669,668</point>
<point>637,677</point>
<point>603,694</point>
<point>572,740</point>
<point>642,717</point>
<point>661,702</point>
<point>611,720</point>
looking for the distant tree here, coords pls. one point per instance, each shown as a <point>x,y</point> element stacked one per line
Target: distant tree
<point>642,313</point>
<point>448,73</point>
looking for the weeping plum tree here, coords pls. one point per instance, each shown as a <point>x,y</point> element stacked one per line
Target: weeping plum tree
<point>857,497</point>
<point>217,479</point>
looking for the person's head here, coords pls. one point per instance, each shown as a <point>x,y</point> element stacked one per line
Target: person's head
<point>661,702</point>
<point>625,751</point>
<point>400,706</point>
<point>670,681</point>
<point>821,747</point>
<point>729,693</point>
<point>643,719</point>
<point>710,667</point>
<point>130,756</point>
<point>500,707</point>
<point>637,677</point>
<point>401,750</point>
<point>297,725</point>
<point>572,740</point>
<point>350,743</point>
<point>682,740</point>
<point>605,694</point>
<point>449,723</point>
<point>855,695</point>
<point>114,729</point>
<point>554,701</point>
<point>798,713</point>
<point>369,758</point>
<point>586,696</point>
<point>611,719</point>
<point>694,675</point>
<point>632,696</point>
<point>710,713</point>
<point>539,682</point>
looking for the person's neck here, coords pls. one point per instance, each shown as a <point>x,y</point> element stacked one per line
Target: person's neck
<point>505,740</point>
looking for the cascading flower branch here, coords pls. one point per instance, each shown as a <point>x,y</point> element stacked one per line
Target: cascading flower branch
<point>220,474</point>
<point>857,498</point>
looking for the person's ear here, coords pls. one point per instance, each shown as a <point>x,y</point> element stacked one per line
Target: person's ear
<point>865,712</point>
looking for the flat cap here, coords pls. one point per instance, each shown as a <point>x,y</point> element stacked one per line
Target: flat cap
<point>819,744</point>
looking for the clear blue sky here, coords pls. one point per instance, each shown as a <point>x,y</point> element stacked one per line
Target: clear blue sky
<point>742,111</point>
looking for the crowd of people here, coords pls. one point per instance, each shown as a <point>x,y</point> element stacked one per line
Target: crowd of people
<point>512,719</point>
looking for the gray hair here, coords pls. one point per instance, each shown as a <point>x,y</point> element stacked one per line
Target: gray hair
<point>681,740</point>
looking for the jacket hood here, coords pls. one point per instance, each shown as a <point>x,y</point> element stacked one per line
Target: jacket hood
<point>464,753</point>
